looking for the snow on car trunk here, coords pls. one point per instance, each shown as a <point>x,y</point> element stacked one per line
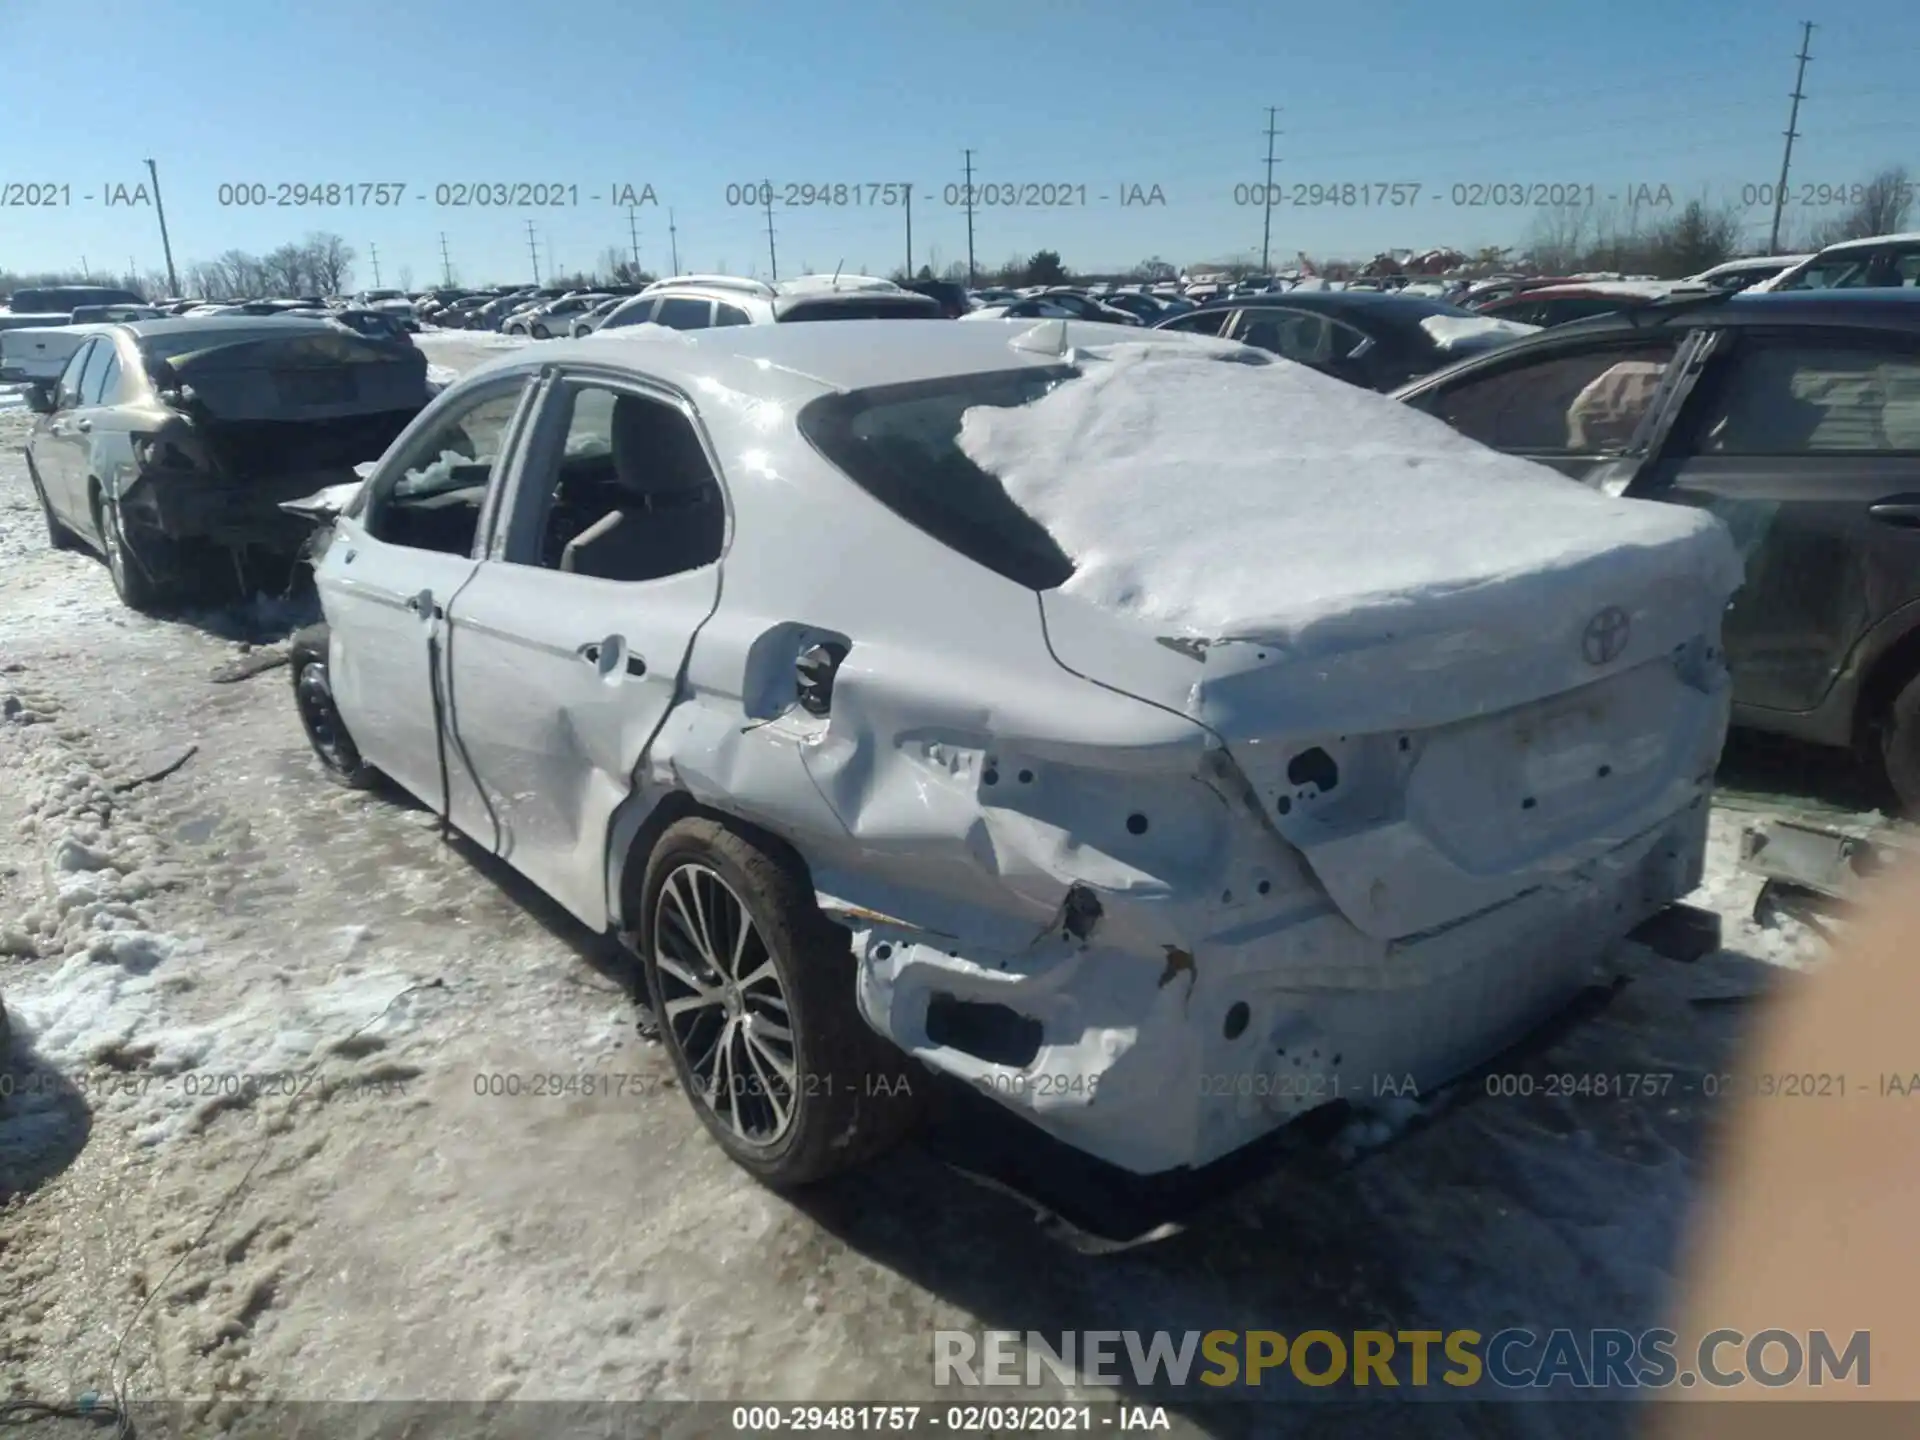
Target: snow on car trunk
<point>1449,675</point>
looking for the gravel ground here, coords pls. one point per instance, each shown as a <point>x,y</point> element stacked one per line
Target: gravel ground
<point>389,1231</point>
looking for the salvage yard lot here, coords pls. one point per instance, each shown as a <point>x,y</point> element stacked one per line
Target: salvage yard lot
<point>389,1221</point>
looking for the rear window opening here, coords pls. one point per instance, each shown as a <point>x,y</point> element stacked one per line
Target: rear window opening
<point>901,444</point>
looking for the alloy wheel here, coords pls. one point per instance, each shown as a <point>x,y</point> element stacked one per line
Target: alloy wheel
<point>725,1006</point>
<point>314,696</point>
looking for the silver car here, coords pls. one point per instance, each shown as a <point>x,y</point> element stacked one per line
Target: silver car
<point>816,663</point>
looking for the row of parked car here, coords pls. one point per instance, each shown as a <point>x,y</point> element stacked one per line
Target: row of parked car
<point>820,663</point>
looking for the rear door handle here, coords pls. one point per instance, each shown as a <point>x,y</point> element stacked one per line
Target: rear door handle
<point>1901,510</point>
<point>422,605</point>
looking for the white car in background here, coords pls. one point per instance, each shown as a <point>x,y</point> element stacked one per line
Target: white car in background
<point>700,302</point>
<point>589,321</point>
<point>555,317</point>
<point>822,665</point>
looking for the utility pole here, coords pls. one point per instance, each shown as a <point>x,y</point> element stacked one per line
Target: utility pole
<point>86,270</point>
<point>173,281</point>
<point>1793,119</point>
<point>773,261</point>
<point>1266,224</point>
<point>969,198</point>
<point>673,237</point>
<point>909,232</point>
<point>633,234</point>
<point>533,249</point>
<point>446,260</point>
<point>374,252</point>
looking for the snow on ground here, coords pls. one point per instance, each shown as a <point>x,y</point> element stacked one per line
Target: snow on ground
<point>1173,481</point>
<point>259,1121</point>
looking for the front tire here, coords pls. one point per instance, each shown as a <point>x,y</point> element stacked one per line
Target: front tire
<point>753,990</point>
<point>540,332</point>
<point>327,733</point>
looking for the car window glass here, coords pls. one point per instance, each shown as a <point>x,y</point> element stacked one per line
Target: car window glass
<point>439,482</point>
<point>724,314</point>
<point>69,387</point>
<point>1204,323</point>
<point>1790,399</point>
<point>1906,269</point>
<point>103,382</point>
<point>626,494</point>
<point>1587,403</point>
<point>99,353</point>
<point>1291,334</point>
<point>901,445</point>
<point>638,315</point>
<point>679,312</point>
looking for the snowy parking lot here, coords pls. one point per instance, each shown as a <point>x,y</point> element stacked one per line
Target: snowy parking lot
<point>312,1103</point>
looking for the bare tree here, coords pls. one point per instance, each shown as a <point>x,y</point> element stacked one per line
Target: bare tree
<point>1880,209</point>
<point>405,277</point>
<point>286,270</point>
<point>329,261</point>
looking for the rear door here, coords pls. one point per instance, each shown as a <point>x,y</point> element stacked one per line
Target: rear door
<point>569,641</point>
<point>1577,408</point>
<point>389,574</point>
<point>59,445</point>
<point>1807,444</point>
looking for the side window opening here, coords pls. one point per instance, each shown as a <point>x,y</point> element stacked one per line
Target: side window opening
<point>71,377</point>
<point>435,500</point>
<point>628,494</point>
<point>104,385</point>
<point>1582,404</point>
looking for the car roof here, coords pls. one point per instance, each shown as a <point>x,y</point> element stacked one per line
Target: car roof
<point>1871,242</point>
<point>1868,309</point>
<point>1387,302</point>
<point>798,362</point>
<point>226,327</point>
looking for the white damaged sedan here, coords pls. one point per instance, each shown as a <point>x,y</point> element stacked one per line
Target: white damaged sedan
<point>1167,739</point>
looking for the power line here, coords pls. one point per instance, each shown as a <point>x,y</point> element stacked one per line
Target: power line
<point>1793,119</point>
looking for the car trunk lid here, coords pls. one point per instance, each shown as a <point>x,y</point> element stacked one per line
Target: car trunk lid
<point>314,375</point>
<point>1447,676</point>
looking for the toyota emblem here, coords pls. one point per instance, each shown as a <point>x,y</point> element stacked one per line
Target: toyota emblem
<point>1605,636</point>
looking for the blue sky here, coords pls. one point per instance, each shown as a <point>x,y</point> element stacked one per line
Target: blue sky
<point>598,93</point>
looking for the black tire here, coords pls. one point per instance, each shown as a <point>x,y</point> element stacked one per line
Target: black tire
<point>58,536</point>
<point>540,332</point>
<point>143,568</point>
<point>1899,736</point>
<point>848,1095</point>
<point>326,732</point>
